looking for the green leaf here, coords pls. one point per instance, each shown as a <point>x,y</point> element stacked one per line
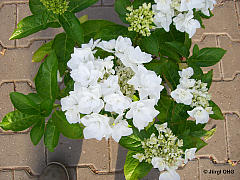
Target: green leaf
<point>46,79</point>
<point>192,142</point>
<point>51,136</point>
<point>63,46</point>
<point>78,5</point>
<point>121,8</point>
<point>164,106</point>
<point>207,57</point>
<point>73,131</point>
<point>196,50</point>
<point>198,73</point>
<point>209,134</point>
<point>150,44</point>
<point>32,24</point>
<point>207,78</point>
<point>72,26</point>
<point>112,32</point>
<point>217,113</point>
<point>131,142</point>
<point>37,132</point>
<point>17,121</point>
<point>187,42</point>
<point>92,27</point>
<point>36,7</point>
<point>83,19</point>
<point>24,104</point>
<point>133,169</point>
<point>46,107</point>
<point>35,98</point>
<point>42,52</point>
<point>198,17</point>
<point>179,47</point>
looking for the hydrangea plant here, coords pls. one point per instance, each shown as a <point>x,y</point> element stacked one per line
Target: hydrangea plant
<point>137,83</point>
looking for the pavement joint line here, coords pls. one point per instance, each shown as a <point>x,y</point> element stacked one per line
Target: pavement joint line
<point>29,82</point>
<point>109,156</point>
<point>27,169</point>
<point>198,168</point>
<point>12,2</point>
<point>237,11</point>
<point>216,34</point>
<point>237,73</point>
<point>226,138</point>
<point>14,133</point>
<point>220,63</point>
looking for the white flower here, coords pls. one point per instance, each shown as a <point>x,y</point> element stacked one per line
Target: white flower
<point>89,99</point>
<point>159,163</point>
<point>162,5</point>
<point>207,4</point>
<point>169,175</point>
<point>200,114</point>
<point>142,112</point>
<point>96,126</point>
<point>70,105</point>
<point>186,83</point>
<point>189,154</point>
<point>86,74</point>
<point>187,5</point>
<point>161,127</point>
<point>164,19</point>
<point>122,43</point>
<point>186,73</point>
<point>182,96</point>
<point>134,56</point>
<point>120,128</point>
<point>139,156</point>
<point>92,44</point>
<point>186,23</point>
<point>110,85</point>
<point>80,55</point>
<point>147,83</point>
<point>108,46</point>
<point>117,103</point>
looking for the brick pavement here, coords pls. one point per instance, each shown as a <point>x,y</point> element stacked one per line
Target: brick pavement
<point>104,160</point>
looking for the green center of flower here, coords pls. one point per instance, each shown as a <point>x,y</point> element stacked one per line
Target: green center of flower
<point>56,6</point>
<point>141,19</point>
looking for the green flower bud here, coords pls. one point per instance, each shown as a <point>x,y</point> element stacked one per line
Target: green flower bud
<point>56,6</point>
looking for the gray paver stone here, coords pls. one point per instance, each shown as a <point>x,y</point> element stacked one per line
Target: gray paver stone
<point>6,175</point>
<point>5,103</point>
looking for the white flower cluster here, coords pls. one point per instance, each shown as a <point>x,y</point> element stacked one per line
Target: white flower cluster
<point>193,93</point>
<point>104,89</point>
<point>180,12</point>
<point>164,152</point>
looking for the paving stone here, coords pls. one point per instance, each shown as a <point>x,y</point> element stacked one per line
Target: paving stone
<point>238,11</point>
<point>108,2</point>
<point>7,24</point>
<point>210,171</point>
<point>230,61</point>
<point>86,174</point>
<point>20,151</point>
<point>209,41</point>
<point>100,13</point>
<point>23,87</point>
<point>5,102</point>
<point>233,124</point>
<point>118,155</point>
<point>22,175</point>
<point>190,171</point>
<point>24,11</point>
<point>217,145</point>
<point>225,94</point>
<point>78,152</point>
<point>6,175</point>
<point>17,64</point>
<point>223,21</point>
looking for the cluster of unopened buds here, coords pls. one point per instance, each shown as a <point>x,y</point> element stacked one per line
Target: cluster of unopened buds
<point>193,93</point>
<point>56,6</point>
<point>164,152</point>
<point>109,91</point>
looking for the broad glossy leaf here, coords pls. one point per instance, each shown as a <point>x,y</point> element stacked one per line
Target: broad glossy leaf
<point>51,136</point>
<point>24,104</point>
<point>78,5</point>
<point>73,131</point>
<point>207,57</point>
<point>121,8</point>
<point>42,52</point>
<point>207,78</point>
<point>32,24</point>
<point>196,50</point>
<point>17,121</point>
<point>179,47</point>
<point>133,169</point>
<point>72,26</point>
<point>46,107</point>
<point>192,142</point>
<point>37,7</point>
<point>35,98</point>
<point>92,27</point>
<point>218,115</point>
<point>46,79</point>
<point>150,44</point>
<point>63,46</point>
<point>37,131</point>
<point>131,142</point>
